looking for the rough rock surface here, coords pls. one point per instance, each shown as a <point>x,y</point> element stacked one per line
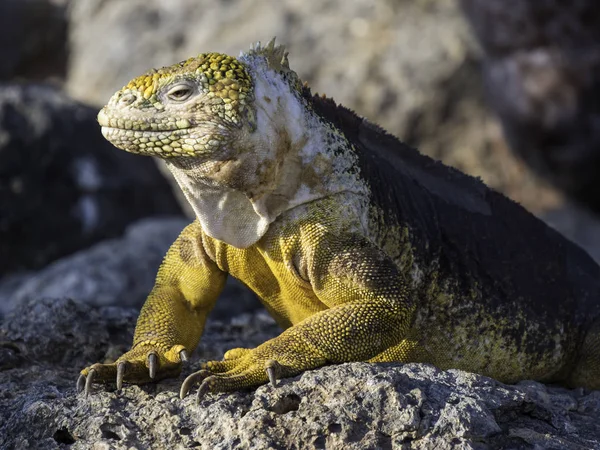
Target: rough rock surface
<point>349,406</point>
<point>119,271</point>
<point>410,66</point>
<point>116,272</point>
<point>62,185</point>
<point>542,76</point>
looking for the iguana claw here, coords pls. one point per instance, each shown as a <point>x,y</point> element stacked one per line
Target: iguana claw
<point>202,390</point>
<point>272,368</point>
<point>121,368</point>
<point>184,356</point>
<point>192,379</point>
<point>88,381</point>
<point>81,382</point>
<point>152,364</point>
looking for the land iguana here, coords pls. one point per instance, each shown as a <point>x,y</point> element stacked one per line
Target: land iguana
<point>360,247</point>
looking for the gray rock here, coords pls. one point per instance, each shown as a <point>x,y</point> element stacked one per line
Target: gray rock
<point>119,271</point>
<point>542,76</point>
<point>116,272</point>
<point>62,185</point>
<point>63,332</point>
<point>33,39</point>
<point>579,225</point>
<point>347,406</point>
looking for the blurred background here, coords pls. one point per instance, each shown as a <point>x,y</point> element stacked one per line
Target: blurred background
<point>506,90</point>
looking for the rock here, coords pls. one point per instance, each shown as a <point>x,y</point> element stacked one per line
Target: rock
<point>579,225</point>
<point>412,67</point>
<point>347,406</point>
<point>116,272</point>
<point>62,185</point>
<point>542,77</point>
<point>63,332</point>
<point>33,39</point>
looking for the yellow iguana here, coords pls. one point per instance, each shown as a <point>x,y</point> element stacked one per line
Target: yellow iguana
<point>360,247</point>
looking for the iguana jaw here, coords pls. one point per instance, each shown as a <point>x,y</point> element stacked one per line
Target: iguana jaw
<point>167,143</point>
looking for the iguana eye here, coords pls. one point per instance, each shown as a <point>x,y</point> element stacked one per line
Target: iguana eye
<point>180,93</point>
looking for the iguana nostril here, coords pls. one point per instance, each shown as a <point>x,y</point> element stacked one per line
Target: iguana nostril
<point>126,100</point>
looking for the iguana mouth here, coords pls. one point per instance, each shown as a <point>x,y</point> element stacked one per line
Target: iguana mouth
<point>138,133</point>
<point>136,123</point>
<point>161,143</point>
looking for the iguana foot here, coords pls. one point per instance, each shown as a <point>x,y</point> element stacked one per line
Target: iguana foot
<point>241,368</point>
<point>142,364</point>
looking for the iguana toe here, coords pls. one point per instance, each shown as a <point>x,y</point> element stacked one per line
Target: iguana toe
<point>241,368</point>
<point>236,353</point>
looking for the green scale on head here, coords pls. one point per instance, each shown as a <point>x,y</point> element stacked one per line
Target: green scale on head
<point>220,76</point>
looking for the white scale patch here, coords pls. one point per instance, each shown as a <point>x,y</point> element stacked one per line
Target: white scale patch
<point>224,214</point>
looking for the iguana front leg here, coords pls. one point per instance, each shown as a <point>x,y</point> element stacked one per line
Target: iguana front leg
<point>171,321</point>
<point>370,310</point>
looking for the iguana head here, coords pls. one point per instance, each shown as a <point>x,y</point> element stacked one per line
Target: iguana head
<point>237,134</point>
<point>188,109</point>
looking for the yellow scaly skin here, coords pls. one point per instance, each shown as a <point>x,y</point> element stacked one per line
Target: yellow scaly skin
<point>282,204</point>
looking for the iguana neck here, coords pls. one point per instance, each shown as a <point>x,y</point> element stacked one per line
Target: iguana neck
<point>283,157</point>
